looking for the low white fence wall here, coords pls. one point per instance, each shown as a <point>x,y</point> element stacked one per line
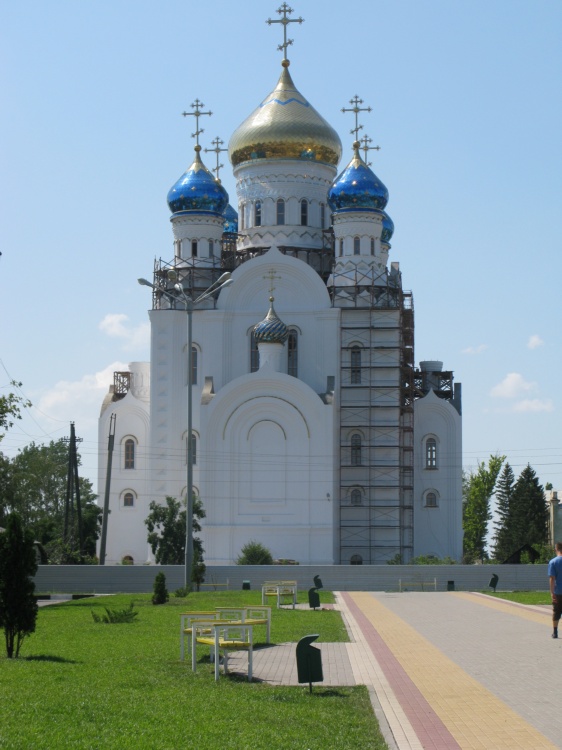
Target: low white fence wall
<point>85,579</point>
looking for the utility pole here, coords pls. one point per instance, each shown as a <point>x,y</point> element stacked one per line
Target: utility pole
<point>110,443</point>
<point>73,490</point>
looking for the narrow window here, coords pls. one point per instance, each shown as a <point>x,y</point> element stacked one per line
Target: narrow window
<point>322,216</point>
<point>356,450</point>
<point>129,454</point>
<point>304,213</point>
<point>280,211</point>
<point>128,500</point>
<point>254,354</point>
<point>372,245</point>
<point>355,365</point>
<point>194,364</point>
<point>431,500</point>
<point>356,498</point>
<point>356,246</point>
<point>341,247</point>
<point>356,560</point>
<point>193,248</point>
<point>257,214</point>
<point>292,353</point>
<point>211,249</point>
<point>431,453</point>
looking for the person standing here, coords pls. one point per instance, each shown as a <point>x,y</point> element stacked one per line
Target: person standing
<point>555,575</point>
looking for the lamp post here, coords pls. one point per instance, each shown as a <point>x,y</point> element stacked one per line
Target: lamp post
<point>189,303</point>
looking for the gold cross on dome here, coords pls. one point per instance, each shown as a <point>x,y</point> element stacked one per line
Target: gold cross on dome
<point>271,275</point>
<point>285,21</point>
<point>197,114</point>
<point>366,148</point>
<point>217,143</point>
<point>356,101</point>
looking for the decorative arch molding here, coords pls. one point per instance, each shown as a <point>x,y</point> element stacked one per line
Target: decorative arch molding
<point>287,404</point>
<point>263,421</point>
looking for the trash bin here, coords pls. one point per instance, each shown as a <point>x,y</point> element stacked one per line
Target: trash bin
<point>313,598</point>
<point>450,585</point>
<point>245,585</point>
<point>493,582</point>
<point>309,661</point>
<point>318,582</point>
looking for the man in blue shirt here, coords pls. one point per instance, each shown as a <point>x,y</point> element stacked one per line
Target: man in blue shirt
<point>555,574</point>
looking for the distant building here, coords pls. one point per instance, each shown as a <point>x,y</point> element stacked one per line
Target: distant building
<point>313,431</point>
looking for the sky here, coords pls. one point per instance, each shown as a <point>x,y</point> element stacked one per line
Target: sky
<point>466,108</point>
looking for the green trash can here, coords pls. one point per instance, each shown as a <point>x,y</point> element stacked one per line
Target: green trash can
<point>313,598</point>
<point>450,585</point>
<point>246,585</point>
<point>494,582</point>
<point>309,661</point>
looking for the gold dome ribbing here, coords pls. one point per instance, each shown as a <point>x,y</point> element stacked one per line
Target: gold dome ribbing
<point>285,126</point>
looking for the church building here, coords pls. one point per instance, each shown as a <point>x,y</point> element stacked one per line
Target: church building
<point>313,431</point>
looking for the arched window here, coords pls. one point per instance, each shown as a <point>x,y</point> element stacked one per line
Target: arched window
<point>322,216</point>
<point>257,214</point>
<point>129,453</point>
<point>293,353</point>
<point>128,500</point>
<point>431,453</point>
<point>341,247</point>
<point>280,211</point>
<point>304,213</point>
<point>211,249</point>
<point>356,560</point>
<point>372,245</point>
<point>356,450</point>
<point>127,560</point>
<point>355,365</point>
<point>193,248</point>
<point>431,500</point>
<point>356,497</point>
<point>194,365</point>
<point>254,354</point>
<point>356,246</point>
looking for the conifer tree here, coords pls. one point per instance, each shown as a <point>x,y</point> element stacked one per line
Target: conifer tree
<point>528,517</point>
<point>478,488</point>
<point>503,544</point>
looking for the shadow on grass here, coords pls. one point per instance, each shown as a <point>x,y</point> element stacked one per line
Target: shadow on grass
<point>47,657</point>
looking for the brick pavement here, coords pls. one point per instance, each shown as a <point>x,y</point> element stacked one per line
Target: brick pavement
<point>445,670</point>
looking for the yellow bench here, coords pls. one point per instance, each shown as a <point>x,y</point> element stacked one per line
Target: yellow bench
<point>249,615</point>
<point>280,590</point>
<point>186,625</point>
<point>226,637</point>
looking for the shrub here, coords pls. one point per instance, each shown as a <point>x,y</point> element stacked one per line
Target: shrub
<point>113,616</point>
<point>160,595</point>
<point>254,553</point>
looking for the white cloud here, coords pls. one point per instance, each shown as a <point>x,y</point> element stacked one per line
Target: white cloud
<point>115,326</point>
<point>534,341</point>
<point>475,349</point>
<point>534,405</point>
<point>513,385</point>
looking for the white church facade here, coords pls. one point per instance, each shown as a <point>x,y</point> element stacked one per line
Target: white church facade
<point>313,431</point>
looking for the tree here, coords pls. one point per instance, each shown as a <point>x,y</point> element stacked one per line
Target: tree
<point>10,408</point>
<point>503,544</point>
<point>166,534</point>
<point>18,565</point>
<point>160,595</point>
<point>254,553</point>
<point>478,488</point>
<point>34,484</point>
<point>527,522</point>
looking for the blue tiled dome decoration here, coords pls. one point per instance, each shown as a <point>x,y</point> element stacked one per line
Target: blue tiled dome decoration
<point>271,329</point>
<point>357,188</point>
<point>197,190</point>
<point>230,220</point>
<point>387,228</point>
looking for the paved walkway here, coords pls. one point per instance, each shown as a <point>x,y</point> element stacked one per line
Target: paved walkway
<point>446,671</point>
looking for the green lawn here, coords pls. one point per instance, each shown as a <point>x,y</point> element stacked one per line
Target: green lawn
<point>523,597</point>
<point>79,684</point>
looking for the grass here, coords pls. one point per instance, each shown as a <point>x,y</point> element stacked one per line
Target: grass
<point>83,685</point>
<point>523,597</point>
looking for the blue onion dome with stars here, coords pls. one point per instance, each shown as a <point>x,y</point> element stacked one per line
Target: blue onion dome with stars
<point>271,329</point>
<point>357,188</point>
<point>387,228</point>
<point>230,220</point>
<point>285,126</point>
<point>197,191</point>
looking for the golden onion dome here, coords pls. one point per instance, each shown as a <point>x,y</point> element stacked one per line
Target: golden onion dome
<point>285,126</point>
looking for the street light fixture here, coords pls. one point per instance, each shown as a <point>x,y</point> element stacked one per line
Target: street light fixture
<point>189,302</point>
